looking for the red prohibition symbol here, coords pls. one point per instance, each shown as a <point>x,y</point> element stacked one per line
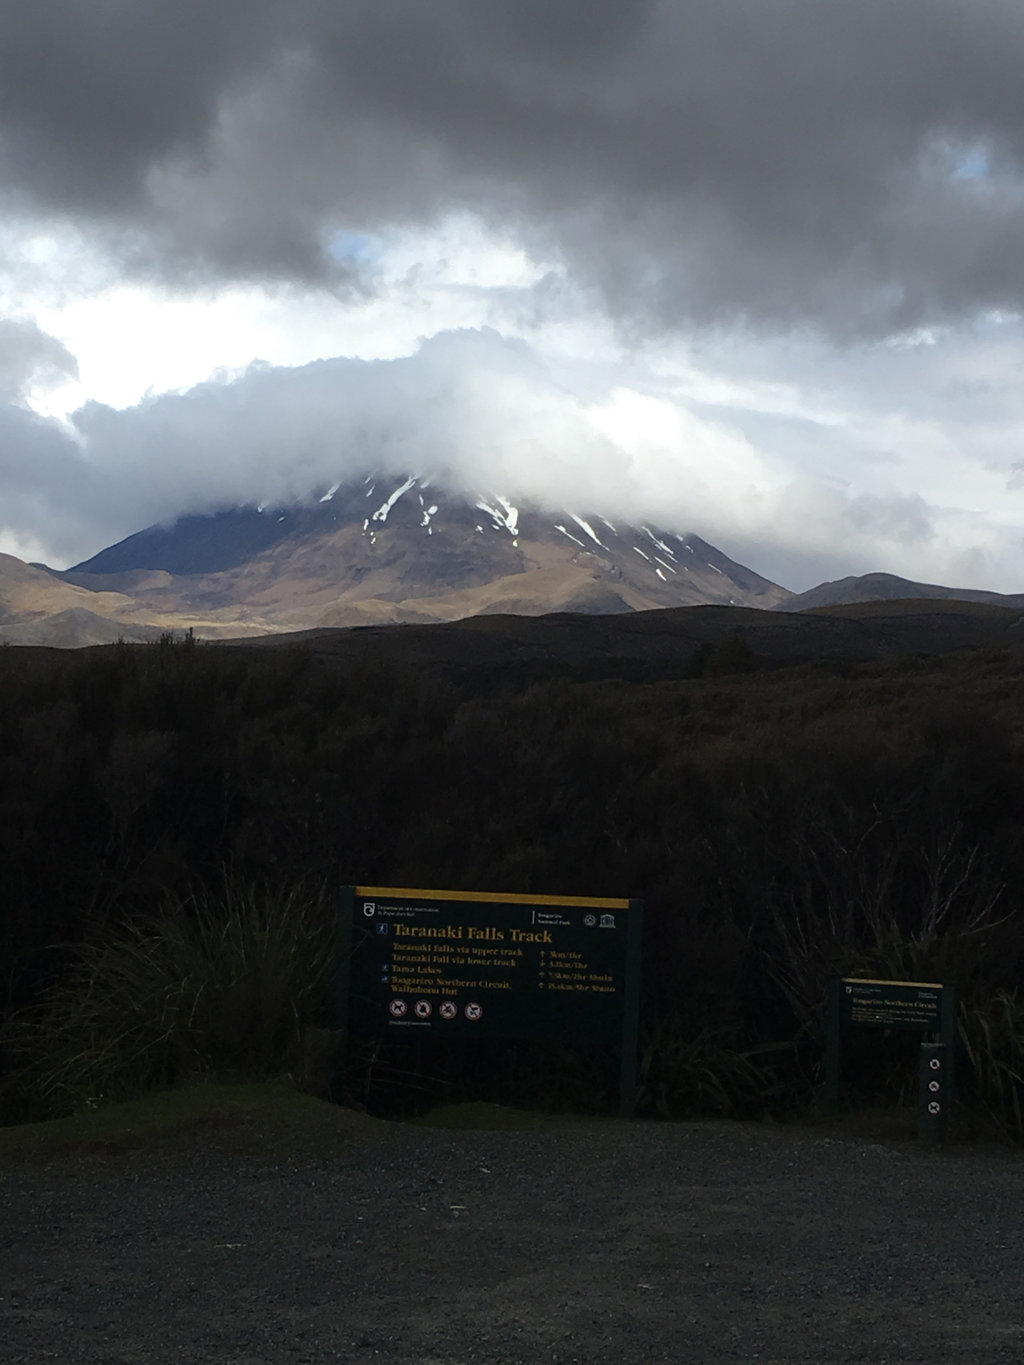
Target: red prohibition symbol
<point>473,1011</point>
<point>397,1009</point>
<point>448,1009</point>
<point>423,1009</point>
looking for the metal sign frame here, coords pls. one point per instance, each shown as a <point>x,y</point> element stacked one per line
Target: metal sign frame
<point>493,965</point>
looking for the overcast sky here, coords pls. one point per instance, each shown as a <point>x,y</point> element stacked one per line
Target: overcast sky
<point>750,268</point>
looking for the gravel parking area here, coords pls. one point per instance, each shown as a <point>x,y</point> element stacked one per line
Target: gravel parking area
<point>590,1243</point>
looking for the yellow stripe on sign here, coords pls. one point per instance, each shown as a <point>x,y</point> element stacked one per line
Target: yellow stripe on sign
<point>494,897</point>
<point>874,981</point>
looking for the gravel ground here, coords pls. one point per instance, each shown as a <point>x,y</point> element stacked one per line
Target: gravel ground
<point>626,1242</point>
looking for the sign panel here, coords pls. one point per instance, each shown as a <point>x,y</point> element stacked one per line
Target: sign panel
<point>480,965</point>
<point>927,1007</point>
<point>892,1004</point>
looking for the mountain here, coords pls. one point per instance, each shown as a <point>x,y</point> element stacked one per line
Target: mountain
<point>404,550</point>
<point>886,587</point>
<point>38,607</point>
<point>381,551</point>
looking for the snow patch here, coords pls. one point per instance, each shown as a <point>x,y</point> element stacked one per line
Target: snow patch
<point>716,569</point>
<point>585,526</point>
<point>641,553</point>
<point>661,575</point>
<point>504,514</point>
<point>330,492</point>
<point>381,513</point>
<point>571,536</point>
<point>664,565</point>
<point>660,543</point>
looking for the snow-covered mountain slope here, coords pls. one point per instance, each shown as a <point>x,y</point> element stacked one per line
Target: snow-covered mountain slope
<point>409,549</point>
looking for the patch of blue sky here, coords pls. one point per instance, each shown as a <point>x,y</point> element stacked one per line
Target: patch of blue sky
<point>972,163</point>
<point>358,248</point>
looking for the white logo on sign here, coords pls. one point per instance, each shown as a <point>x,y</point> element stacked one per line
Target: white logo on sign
<point>607,921</point>
<point>370,909</point>
<point>935,1064</point>
<point>590,921</point>
<point>935,1107</point>
<point>934,1087</point>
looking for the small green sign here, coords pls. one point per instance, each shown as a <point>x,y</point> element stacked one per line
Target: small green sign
<point>926,1007</point>
<point>891,1004</point>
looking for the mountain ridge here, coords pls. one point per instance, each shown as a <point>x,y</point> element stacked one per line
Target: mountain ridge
<point>399,550</point>
<point>886,587</point>
<point>406,551</point>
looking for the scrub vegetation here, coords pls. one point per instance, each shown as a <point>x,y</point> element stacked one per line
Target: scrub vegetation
<point>175,819</point>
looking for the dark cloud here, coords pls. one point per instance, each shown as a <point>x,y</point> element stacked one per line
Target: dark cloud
<point>29,355</point>
<point>46,484</point>
<point>93,94</point>
<point>856,166</point>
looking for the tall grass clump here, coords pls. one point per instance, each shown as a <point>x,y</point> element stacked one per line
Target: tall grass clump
<point>228,981</point>
<point>992,1040</point>
<point>684,1074</point>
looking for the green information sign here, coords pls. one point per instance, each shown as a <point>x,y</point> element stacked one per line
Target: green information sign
<point>925,1007</point>
<point>457,964</point>
<point>891,1004</point>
